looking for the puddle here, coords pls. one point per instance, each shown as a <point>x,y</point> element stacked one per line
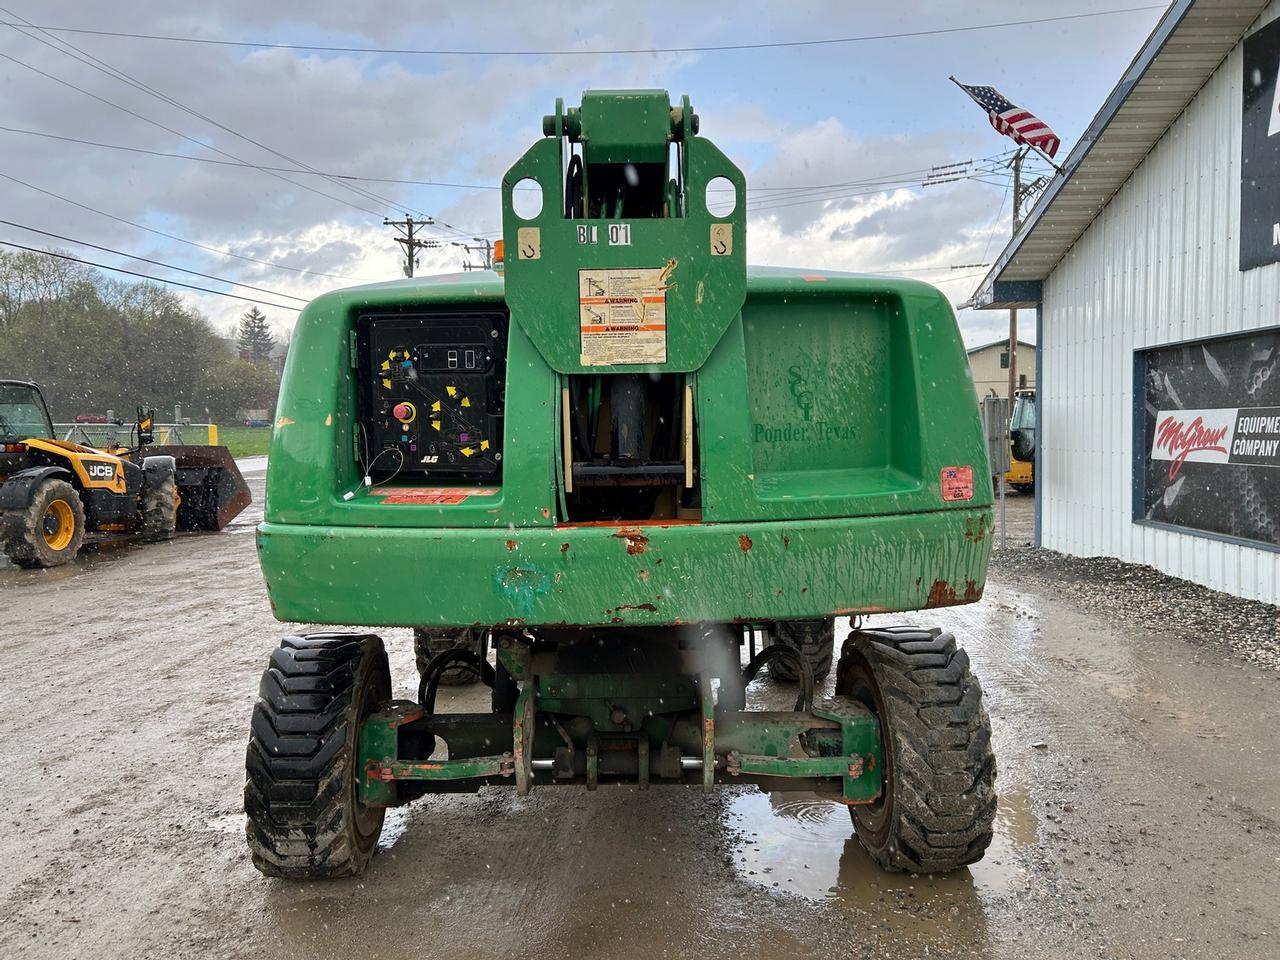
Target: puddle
<point>801,844</point>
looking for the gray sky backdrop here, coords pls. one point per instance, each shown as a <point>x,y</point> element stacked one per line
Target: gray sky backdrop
<point>797,119</point>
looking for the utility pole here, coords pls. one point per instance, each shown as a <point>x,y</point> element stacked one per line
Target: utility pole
<point>411,243</point>
<point>484,248</point>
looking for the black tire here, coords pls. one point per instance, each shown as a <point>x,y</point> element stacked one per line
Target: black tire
<point>305,820</point>
<point>816,641</point>
<point>159,500</point>
<point>428,643</point>
<point>50,531</point>
<point>939,800</point>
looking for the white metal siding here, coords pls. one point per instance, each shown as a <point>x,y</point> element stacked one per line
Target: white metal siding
<point>1160,264</point>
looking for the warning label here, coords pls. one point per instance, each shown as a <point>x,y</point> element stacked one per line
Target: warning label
<point>957,483</point>
<point>622,315</point>
<point>432,496</point>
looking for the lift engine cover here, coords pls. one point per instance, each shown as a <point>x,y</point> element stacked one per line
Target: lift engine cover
<point>432,397</point>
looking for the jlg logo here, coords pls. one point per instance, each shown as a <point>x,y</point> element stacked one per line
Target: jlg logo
<point>101,471</point>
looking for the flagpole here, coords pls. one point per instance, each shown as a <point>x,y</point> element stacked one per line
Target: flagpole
<point>1013,311</point>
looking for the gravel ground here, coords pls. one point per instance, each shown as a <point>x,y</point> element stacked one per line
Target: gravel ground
<point>1143,596</point>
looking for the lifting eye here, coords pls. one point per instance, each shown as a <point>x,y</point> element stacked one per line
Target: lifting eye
<point>526,199</point>
<point>722,197</point>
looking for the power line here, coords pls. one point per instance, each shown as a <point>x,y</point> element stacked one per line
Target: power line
<point>88,59</point>
<point>170,236</point>
<point>176,133</point>
<point>158,263</point>
<point>627,51</point>
<point>795,188</point>
<point>145,276</point>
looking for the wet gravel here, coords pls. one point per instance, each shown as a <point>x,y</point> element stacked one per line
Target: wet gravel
<point>1143,596</point>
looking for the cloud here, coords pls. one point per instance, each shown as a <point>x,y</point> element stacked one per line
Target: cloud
<point>456,119</point>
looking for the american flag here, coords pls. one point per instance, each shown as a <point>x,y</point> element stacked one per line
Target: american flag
<point>1013,121</point>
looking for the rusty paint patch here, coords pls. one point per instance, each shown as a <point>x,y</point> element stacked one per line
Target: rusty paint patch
<point>941,594</point>
<point>975,528</point>
<point>511,544</point>
<point>284,422</point>
<point>564,548</point>
<point>744,542</point>
<point>972,592</point>
<point>638,606</point>
<point>786,540</point>
<point>636,541</point>
<point>546,514</point>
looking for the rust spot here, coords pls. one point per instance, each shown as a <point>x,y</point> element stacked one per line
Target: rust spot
<point>975,528</point>
<point>637,542</point>
<point>564,548</point>
<point>658,562</point>
<point>616,620</point>
<point>644,575</point>
<point>744,542</point>
<point>511,544</point>
<point>941,594</point>
<point>546,514</point>
<point>639,606</point>
<point>804,589</point>
<point>786,540</point>
<point>972,592</point>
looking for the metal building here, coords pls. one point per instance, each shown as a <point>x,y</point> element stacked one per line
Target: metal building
<point>1153,264</point>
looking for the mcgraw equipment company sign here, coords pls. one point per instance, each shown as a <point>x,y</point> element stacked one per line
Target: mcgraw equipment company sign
<point>1260,149</point>
<point>1208,453</point>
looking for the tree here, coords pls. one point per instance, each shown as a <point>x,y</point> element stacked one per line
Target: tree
<point>254,339</point>
<point>96,344</point>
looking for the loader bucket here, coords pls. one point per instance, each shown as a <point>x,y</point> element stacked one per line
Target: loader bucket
<point>212,491</point>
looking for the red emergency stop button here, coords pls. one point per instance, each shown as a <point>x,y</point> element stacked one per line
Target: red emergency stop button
<point>404,412</point>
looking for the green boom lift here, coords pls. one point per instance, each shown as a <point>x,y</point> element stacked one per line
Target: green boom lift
<point>611,467</point>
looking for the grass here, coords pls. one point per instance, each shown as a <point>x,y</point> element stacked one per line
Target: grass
<point>245,441</point>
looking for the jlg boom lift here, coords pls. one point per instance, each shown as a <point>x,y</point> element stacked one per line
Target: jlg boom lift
<point>608,466</point>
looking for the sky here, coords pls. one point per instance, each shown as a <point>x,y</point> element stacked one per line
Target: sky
<point>793,118</point>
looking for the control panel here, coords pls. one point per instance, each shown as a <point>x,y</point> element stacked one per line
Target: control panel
<point>432,395</point>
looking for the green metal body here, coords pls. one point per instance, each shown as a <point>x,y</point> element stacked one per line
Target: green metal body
<point>837,446</point>
<point>826,414</point>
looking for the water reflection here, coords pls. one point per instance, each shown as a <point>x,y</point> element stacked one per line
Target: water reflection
<point>801,844</point>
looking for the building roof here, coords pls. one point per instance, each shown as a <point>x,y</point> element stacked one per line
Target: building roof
<point>998,343</point>
<point>1185,48</point>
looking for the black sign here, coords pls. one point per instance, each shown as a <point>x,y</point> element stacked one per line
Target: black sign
<point>1207,438</point>
<point>1260,150</point>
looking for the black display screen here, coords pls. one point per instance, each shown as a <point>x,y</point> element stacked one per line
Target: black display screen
<point>1260,149</point>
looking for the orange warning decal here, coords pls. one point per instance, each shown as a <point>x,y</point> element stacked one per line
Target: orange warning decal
<point>957,483</point>
<point>432,496</point>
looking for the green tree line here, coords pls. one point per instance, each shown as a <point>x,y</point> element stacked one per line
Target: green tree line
<point>95,344</point>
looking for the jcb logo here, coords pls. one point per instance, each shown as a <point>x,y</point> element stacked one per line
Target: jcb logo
<point>101,471</point>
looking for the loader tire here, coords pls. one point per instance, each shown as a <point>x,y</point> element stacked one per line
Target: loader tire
<point>428,643</point>
<point>159,501</point>
<point>938,804</point>
<point>816,641</point>
<point>305,818</point>
<point>49,531</point>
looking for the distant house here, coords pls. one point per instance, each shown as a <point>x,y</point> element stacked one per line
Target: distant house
<point>279,352</point>
<point>990,366</point>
